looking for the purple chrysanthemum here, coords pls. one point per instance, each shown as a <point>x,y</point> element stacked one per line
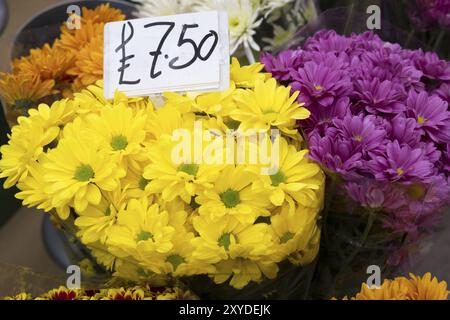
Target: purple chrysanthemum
<point>372,194</point>
<point>320,84</point>
<point>433,67</point>
<point>328,41</point>
<point>336,155</point>
<point>431,115</point>
<point>401,163</point>
<point>361,132</point>
<point>379,97</point>
<point>444,92</point>
<point>426,14</point>
<point>280,66</point>
<point>321,117</point>
<point>404,130</point>
<point>379,113</point>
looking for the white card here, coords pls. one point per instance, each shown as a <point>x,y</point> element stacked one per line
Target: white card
<point>185,52</point>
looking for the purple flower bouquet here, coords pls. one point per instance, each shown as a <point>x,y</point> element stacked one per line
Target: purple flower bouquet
<point>380,128</point>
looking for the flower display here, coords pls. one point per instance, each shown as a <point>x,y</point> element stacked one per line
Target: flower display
<point>374,115</point>
<point>427,14</point>
<point>415,287</point>
<point>129,293</point>
<point>246,19</point>
<point>72,62</point>
<point>186,189</point>
<point>379,127</point>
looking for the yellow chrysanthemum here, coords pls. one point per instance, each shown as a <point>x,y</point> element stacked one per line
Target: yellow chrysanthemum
<point>96,220</point>
<point>179,261</point>
<point>78,170</point>
<point>176,294</point>
<point>32,187</point>
<point>212,103</point>
<point>136,103</point>
<point>246,76</point>
<point>57,115</point>
<point>103,257</point>
<point>88,66</point>
<point>293,233</point>
<point>142,227</point>
<point>296,177</point>
<point>134,183</point>
<point>91,99</point>
<point>120,133</point>
<point>177,177</point>
<point>244,270</point>
<point>267,106</point>
<point>232,194</point>
<point>125,294</point>
<point>164,121</point>
<point>22,92</point>
<point>227,238</point>
<point>25,145</point>
<point>19,296</point>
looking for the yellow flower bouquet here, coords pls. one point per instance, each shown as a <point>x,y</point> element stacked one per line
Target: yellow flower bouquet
<point>213,189</point>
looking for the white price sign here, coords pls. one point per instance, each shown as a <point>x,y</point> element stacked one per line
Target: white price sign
<point>185,52</point>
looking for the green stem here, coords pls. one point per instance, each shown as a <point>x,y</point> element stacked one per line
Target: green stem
<point>350,17</point>
<point>359,245</point>
<point>326,211</point>
<point>410,36</point>
<point>438,41</point>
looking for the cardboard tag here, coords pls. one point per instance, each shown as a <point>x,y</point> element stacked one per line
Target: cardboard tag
<point>185,52</point>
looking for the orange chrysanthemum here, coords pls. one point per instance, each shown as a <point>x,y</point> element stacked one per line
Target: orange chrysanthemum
<point>88,67</point>
<point>102,14</point>
<point>428,288</point>
<point>46,62</point>
<point>402,288</point>
<point>24,92</point>
<point>74,40</point>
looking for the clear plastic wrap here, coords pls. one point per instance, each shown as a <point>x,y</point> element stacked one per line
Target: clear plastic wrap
<point>367,221</point>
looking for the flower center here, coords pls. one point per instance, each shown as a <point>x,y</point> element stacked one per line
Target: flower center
<point>107,212</point>
<point>400,171</point>
<point>143,183</point>
<point>144,235</point>
<point>416,191</point>
<point>119,142</point>
<point>278,178</point>
<point>358,137</point>
<point>318,87</point>
<point>286,237</point>
<point>225,240</point>
<point>421,120</point>
<point>84,173</point>
<point>234,22</point>
<point>230,198</point>
<point>232,124</point>
<point>175,260</point>
<point>191,169</point>
<point>194,205</point>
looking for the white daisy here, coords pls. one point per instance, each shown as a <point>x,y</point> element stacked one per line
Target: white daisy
<point>155,8</point>
<point>243,20</point>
